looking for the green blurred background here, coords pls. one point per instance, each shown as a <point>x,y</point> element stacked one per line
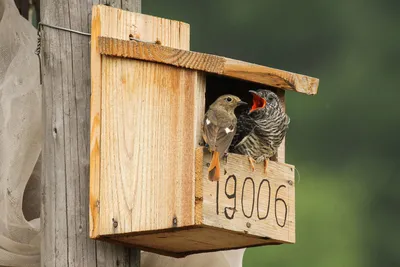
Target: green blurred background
<point>344,140</point>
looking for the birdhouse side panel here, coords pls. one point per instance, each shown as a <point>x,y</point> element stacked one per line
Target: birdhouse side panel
<point>281,153</point>
<point>124,25</point>
<point>256,203</point>
<point>148,135</point>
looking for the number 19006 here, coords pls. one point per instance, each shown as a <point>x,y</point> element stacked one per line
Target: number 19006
<point>229,212</point>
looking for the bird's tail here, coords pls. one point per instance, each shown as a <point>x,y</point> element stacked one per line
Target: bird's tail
<point>214,169</point>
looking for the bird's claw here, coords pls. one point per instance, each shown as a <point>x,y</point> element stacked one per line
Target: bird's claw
<point>251,160</point>
<point>225,157</point>
<point>265,165</point>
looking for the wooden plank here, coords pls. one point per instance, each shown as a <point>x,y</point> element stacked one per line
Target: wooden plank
<point>199,187</point>
<point>147,137</point>
<point>199,117</point>
<point>281,153</point>
<point>149,120</point>
<point>208,63</point>
<point>116,23</point>
<point>190,240</point>
<point>65,183</point>
<point>251,202</point>
<point>95,108</point>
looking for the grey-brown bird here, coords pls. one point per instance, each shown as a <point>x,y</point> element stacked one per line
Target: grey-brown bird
<point>219,128</point>
<point>261,130</point>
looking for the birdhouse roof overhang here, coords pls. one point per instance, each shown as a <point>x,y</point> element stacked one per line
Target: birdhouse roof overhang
<point>208,63</point>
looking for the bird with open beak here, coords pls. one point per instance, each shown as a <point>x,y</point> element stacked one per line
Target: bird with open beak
<point>260,130</point>
<point>219,128</point>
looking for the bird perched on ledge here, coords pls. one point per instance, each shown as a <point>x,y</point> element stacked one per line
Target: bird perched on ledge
<point>219,128</point>
<point>261,130</point>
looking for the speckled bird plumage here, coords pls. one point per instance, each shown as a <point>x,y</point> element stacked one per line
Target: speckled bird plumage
<point>219,128</point>
<point>261,130</point>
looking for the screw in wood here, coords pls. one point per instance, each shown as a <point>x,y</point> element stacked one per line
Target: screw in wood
<point>115,223</point>
<point>290,182</point>
<point>174,222</point>
<point>248,225</point>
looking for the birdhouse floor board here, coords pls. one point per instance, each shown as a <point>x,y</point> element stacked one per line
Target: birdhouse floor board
<point>208,63</point>
<point>180,242</point>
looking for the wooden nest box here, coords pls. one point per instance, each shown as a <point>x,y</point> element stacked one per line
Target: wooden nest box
<point>148,170</point>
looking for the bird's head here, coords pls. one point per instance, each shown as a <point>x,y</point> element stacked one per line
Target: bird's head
<point>228,102</point>
<point>263,100</point>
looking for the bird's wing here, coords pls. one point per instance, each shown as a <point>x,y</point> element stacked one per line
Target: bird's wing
<point>210,129</point>
<point>245,125</point>
<point>225,136</point>
<point>218,133</point>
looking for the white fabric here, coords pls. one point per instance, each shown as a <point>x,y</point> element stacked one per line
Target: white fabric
<point>20,137</point>
<point>230,258</point>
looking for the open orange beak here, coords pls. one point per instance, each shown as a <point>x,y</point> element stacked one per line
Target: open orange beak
<point>258,101</point>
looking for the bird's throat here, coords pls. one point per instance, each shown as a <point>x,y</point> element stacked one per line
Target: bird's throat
<point>258,103</point>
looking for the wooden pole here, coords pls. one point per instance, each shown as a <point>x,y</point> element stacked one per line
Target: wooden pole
<point>66,116</point>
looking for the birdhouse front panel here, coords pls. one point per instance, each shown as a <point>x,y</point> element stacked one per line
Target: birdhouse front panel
<point>150,183</point>
<point>255,202</point>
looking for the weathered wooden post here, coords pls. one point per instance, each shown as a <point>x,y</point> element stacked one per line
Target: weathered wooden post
<point>65,174</point>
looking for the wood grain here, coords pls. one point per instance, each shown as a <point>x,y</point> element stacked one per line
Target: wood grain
<point>199,187</point>
<point>255,199</point>
<point>116,23</point>
<point>147,137</point>
<point>65,183</point>
<point>281,153</point>
<point>190,240</point>
<point>208,63</point>
<point>150,115</point>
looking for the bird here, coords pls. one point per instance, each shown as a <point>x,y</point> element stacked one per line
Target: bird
<point>260,130</point>
<point>219,128</point>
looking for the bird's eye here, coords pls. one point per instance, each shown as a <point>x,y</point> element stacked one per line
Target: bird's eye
<point>228,99</point>
<point>270,98</point>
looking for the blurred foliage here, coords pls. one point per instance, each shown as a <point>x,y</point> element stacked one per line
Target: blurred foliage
<point>343,140</point>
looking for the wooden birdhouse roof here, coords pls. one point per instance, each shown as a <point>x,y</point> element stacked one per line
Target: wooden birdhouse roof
<point>208,63</point>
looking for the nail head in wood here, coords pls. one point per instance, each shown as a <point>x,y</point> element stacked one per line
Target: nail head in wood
<point>115,223</point>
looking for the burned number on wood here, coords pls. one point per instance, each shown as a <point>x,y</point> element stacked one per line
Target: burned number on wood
<point>230,196</point>
<point>230,211</point>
